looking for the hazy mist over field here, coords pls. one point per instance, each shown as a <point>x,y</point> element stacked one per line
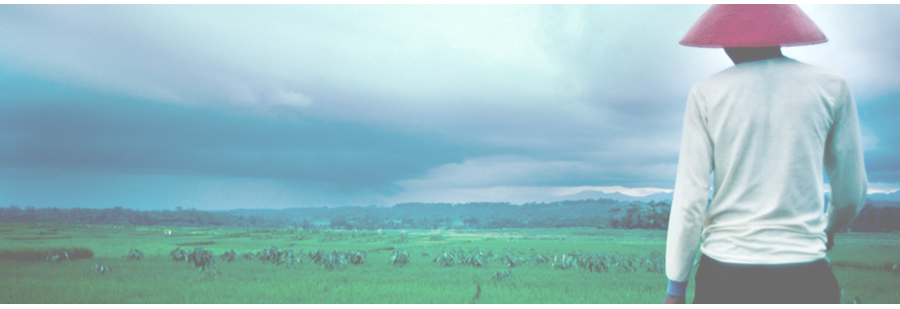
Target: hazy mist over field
<point>220,107</point>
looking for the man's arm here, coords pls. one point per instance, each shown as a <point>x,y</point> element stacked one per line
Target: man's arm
<point>844,164</point>
<point>695,163</point>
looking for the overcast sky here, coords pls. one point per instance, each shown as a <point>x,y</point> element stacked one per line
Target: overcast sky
<point>219,107</point>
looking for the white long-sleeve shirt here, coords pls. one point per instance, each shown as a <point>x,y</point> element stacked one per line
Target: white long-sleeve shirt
<point>766,129</point>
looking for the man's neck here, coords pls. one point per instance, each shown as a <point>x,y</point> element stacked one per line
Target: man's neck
<point>747,54</point>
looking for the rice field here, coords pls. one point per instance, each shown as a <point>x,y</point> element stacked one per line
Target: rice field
<point>858,260</point>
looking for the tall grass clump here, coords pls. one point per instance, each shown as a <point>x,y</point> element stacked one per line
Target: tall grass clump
<point>436,237</point>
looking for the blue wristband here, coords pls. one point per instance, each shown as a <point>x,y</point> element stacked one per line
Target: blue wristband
<point>677,288</point>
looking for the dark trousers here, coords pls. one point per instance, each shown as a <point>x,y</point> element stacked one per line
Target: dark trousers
<point>801,283</point>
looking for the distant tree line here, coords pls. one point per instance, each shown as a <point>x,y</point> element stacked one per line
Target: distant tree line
<point>583,213</point>
<point>656,216</point>
<point>372,223</point>
<point>876,219</point>
<point>481,210</point>
<point>407,215</point>
<point>578,213</point>
<point>650,216</point>
<point>125,216</point>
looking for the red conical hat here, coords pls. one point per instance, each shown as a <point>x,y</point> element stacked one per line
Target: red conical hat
<point>753,25</point>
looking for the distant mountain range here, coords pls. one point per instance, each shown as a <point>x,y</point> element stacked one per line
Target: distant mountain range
<point>885,196</point>
<point>590,194</point>
<point>885,199</point>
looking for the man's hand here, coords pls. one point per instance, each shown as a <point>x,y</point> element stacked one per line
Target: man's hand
<point>673,300</point>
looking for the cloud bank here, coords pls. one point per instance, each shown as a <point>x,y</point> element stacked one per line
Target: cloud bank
<point>218,107</point>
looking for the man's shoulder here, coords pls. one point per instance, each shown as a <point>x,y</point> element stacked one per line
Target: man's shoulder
<point>814,71</point>
<point>772,69</point>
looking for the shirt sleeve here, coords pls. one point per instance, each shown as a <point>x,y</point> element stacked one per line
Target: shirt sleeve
<point>695,163</point>
<point>844,163</point>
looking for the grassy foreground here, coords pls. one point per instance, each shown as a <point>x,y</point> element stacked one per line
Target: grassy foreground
<point>858,261</point>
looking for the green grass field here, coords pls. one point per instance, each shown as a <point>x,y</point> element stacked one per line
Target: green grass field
<point>858,261</point>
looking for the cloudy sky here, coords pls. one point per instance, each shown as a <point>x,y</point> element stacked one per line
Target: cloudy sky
<point>218,107</point>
